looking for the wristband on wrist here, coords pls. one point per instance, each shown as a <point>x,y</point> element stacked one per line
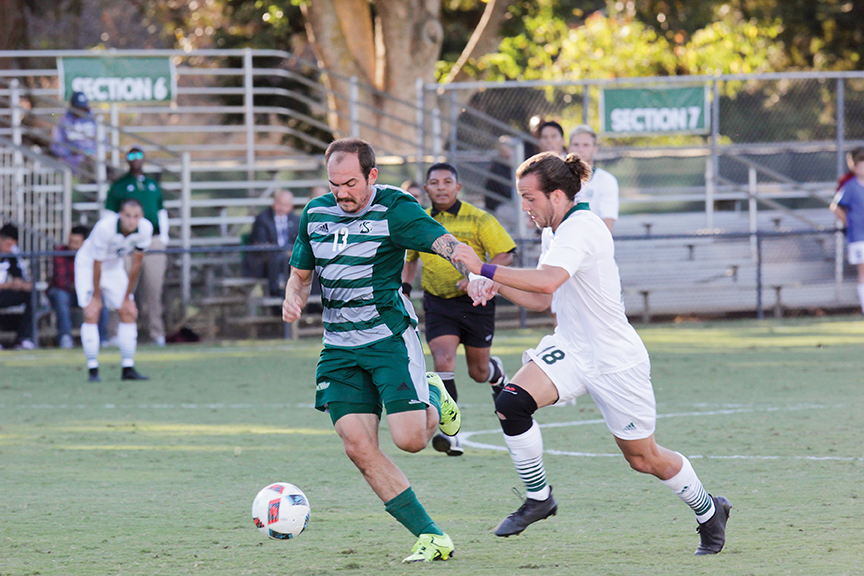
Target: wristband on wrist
<point>488,271</point>
<point>406,289</point>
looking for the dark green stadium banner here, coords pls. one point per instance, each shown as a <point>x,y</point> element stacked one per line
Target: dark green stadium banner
<point>118,78</point>
<point>654,111</point>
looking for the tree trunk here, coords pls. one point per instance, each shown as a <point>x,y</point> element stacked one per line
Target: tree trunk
<point>13,26</point>
<point>386,52</point>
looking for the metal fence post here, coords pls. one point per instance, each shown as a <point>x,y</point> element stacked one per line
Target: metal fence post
<point>249,116</point>
<point>35,261</point>
<point>186,226</point>
<point>839,241</point>
<point>715,161</point>
<point>437,145</point>
<point>67,202</point>
<point>752,207</point>
<point>355,112</point>
<point>586,103</point>
<point>454,124</point>
<point>841,127</point>
<point>17,157</point>
<point>760,312</point>
<point>419,92</point>
<point>15,105</point>
<point>709,192</point>
<point>101,169</point>
<point>115,134</point>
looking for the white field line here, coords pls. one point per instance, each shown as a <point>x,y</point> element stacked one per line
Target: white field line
<point>465,437</point>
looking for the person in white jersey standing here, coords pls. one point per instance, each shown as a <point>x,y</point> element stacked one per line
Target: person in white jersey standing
<point>100,272</point>
<point>601,190</point>
<point>594,349</point>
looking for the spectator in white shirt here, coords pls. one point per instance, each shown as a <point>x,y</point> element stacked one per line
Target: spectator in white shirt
<point>601,191</point>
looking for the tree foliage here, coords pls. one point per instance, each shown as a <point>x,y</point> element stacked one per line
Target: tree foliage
<point>621,46</point>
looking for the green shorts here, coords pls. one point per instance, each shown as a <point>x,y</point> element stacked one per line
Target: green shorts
<point>388,374</point>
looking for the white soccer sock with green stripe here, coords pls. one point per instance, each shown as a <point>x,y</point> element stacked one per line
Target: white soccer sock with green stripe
<point>526,450</point>
<point>687,486</point>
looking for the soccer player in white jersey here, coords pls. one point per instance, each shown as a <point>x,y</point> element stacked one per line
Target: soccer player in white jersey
<point>593,349</point>
<point>356,238</point>
<point>100,273</point>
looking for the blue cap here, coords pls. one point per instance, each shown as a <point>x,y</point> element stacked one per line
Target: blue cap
<point>79,100</point>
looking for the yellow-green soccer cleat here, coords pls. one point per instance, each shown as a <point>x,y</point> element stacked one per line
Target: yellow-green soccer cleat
<point>451,417</point>
<point>430,547</point>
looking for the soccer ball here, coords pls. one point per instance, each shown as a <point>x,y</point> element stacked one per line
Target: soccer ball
<point>281,511</point>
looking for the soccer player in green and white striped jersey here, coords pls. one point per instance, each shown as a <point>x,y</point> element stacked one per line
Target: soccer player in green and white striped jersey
<point>355,240</point>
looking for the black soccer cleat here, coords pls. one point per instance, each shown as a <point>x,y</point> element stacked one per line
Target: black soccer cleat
<point>129,373</point>
<point>450,445</point>
<point>531,511</point>
<point>94,375</point>
<point>713,532</point>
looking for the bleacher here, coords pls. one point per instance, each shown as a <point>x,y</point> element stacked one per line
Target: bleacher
<point>218,163</point>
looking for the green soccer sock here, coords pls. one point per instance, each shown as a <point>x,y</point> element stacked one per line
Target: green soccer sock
<point>410,513</point>
<point>435,398</point>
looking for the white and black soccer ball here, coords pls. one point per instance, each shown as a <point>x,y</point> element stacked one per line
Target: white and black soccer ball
<point>281,511</point>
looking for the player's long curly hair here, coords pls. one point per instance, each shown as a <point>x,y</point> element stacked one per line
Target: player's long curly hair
<point>554,173</point>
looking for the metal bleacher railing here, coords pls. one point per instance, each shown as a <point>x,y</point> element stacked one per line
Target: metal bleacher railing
<point>246,122</point>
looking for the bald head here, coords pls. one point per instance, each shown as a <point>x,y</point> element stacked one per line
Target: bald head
<point>283,202</point>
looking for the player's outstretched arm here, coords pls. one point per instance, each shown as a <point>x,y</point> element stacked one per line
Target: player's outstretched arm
<point>296,294</point>
<point>445,246</point>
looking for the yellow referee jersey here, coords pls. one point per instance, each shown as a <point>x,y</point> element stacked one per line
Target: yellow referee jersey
<point>471,225</point>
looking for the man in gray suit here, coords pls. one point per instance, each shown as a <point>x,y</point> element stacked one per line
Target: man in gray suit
<point>275,226</point>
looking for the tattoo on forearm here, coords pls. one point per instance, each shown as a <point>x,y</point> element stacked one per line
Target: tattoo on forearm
<point>444,247</point>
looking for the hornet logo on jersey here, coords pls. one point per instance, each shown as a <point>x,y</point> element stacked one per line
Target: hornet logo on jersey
<point>365,227</point>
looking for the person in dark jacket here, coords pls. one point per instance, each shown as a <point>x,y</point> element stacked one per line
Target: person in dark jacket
<point>275,226</point>
<point>15,288</point>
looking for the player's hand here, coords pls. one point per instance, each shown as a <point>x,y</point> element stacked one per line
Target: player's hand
<point>465,254</point>
<point>93,308</point>
<point>291,309</point>
<point>482,290</point>
<point>128,309</point>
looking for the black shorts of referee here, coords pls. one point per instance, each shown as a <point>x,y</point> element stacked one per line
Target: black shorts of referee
<point>474,325</point>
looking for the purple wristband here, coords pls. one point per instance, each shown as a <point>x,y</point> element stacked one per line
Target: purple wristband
<point>488,270</point>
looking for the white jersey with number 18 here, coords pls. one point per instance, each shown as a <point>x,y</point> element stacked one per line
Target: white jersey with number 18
<point>588,306</point>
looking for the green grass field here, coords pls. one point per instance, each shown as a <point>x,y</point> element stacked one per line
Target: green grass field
<point>158,477</point>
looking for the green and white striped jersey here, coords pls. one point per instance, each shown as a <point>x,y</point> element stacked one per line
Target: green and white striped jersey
<point>359,259</point>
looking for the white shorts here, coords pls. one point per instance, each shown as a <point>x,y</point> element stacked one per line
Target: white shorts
<point>856,253</point>
<point>113,282</point>
<point>625,398</point>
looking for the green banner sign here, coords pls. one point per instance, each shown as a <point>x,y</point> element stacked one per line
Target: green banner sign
<point>118,78</point>
<point>654,111</point>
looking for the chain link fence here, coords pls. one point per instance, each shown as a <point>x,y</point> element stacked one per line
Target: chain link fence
<point>794,129</point>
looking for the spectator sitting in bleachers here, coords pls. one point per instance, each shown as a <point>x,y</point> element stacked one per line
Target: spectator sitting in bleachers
<point>276,226</point>
<point>61,290</point>
<point>74,137</point>
<point>14,287</point>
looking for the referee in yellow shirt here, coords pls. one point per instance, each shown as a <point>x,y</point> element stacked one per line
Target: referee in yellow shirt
<point>451,317</point>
